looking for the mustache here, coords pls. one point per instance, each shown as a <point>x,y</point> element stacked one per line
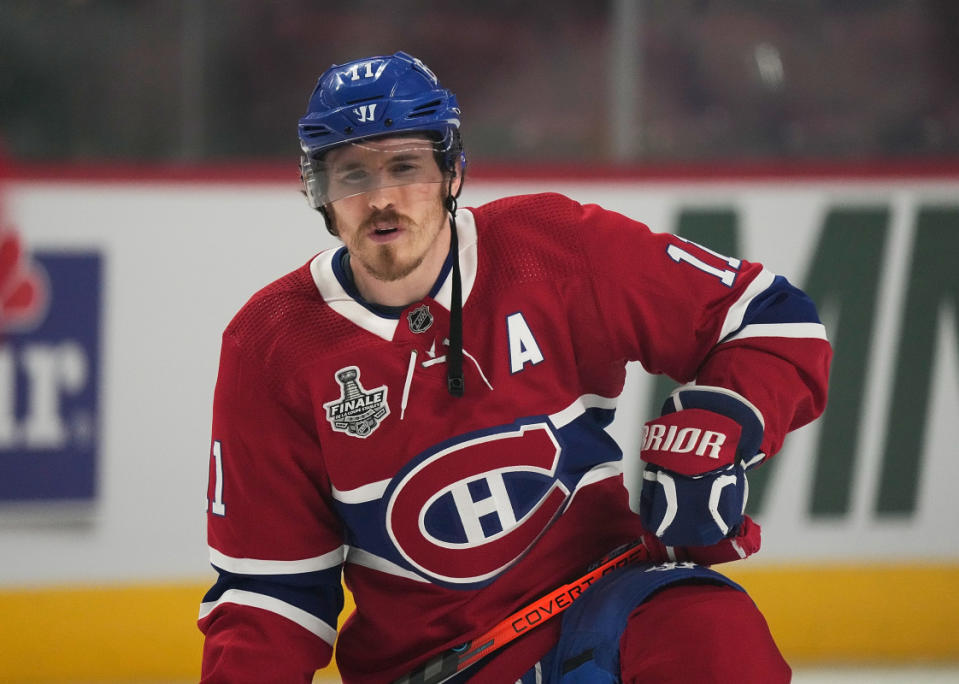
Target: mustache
<point>382,216</point>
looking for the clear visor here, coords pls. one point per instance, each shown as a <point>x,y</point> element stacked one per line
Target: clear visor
<point>369,165</point>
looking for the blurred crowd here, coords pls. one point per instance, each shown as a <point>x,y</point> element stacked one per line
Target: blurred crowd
<point>714,80</point>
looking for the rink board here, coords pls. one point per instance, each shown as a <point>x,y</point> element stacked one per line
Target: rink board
<point>103,569</point>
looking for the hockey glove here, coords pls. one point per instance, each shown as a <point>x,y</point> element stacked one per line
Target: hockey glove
<point>744,543</point>
<point>696,455</point>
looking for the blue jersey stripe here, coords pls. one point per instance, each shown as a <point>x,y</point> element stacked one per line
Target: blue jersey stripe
<point>318,593</point>
<point>781,302</point>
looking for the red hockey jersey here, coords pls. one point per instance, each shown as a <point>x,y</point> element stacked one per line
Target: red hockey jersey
<point>337,447</point>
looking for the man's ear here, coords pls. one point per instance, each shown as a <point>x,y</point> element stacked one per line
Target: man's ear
<point>328,218</point>
<point>457,174</point>
<point>456,183</point>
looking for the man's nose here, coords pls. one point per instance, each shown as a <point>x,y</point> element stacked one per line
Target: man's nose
<point>381,197</point>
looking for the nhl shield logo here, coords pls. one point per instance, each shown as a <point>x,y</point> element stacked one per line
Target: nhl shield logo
<point>357,412</point>
<point>420,319</point>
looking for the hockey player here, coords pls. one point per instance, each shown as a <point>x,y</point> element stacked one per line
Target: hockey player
<point>423,411</point>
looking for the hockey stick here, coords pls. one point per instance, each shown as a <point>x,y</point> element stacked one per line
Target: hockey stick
<point>444,665</point>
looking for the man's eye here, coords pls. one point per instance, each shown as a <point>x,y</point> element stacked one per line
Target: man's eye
<point>404,168</point>
<point>353,177</point>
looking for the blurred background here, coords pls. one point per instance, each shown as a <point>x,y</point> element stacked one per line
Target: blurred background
<point>645,81</point>
<point>148,186</point>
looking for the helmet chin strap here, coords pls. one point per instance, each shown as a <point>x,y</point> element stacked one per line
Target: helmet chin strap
<point>454,355</point>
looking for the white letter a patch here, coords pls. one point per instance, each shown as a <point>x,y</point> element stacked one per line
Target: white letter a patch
<point>522,345</point>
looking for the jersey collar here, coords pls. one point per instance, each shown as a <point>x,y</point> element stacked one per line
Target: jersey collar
<point>335,284</point>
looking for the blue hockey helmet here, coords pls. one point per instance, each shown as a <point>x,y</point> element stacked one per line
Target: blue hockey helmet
<point>375,97</point>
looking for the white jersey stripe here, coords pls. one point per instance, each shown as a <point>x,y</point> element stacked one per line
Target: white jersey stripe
<point>368,492</point>
<point>374,562</point>
<point>309,622</point>
<point>736,313</point>
<point>257,566</point>
<point>598,473</point>
<point>578,408</point>
<point>796,330</point>
<point>375,490</point>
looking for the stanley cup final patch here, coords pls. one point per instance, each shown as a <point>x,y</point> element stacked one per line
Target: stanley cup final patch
<point>357,412</point>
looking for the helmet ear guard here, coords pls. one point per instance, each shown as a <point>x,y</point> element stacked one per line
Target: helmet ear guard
<point>311,183</point>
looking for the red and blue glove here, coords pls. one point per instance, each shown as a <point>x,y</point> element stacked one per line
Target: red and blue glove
<point>696,456</point>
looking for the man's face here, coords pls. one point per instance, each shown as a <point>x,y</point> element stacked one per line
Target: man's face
<point>391,213</point>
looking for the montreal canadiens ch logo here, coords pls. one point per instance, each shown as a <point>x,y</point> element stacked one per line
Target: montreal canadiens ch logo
<point>467,513</point>
<point>357,412</point>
